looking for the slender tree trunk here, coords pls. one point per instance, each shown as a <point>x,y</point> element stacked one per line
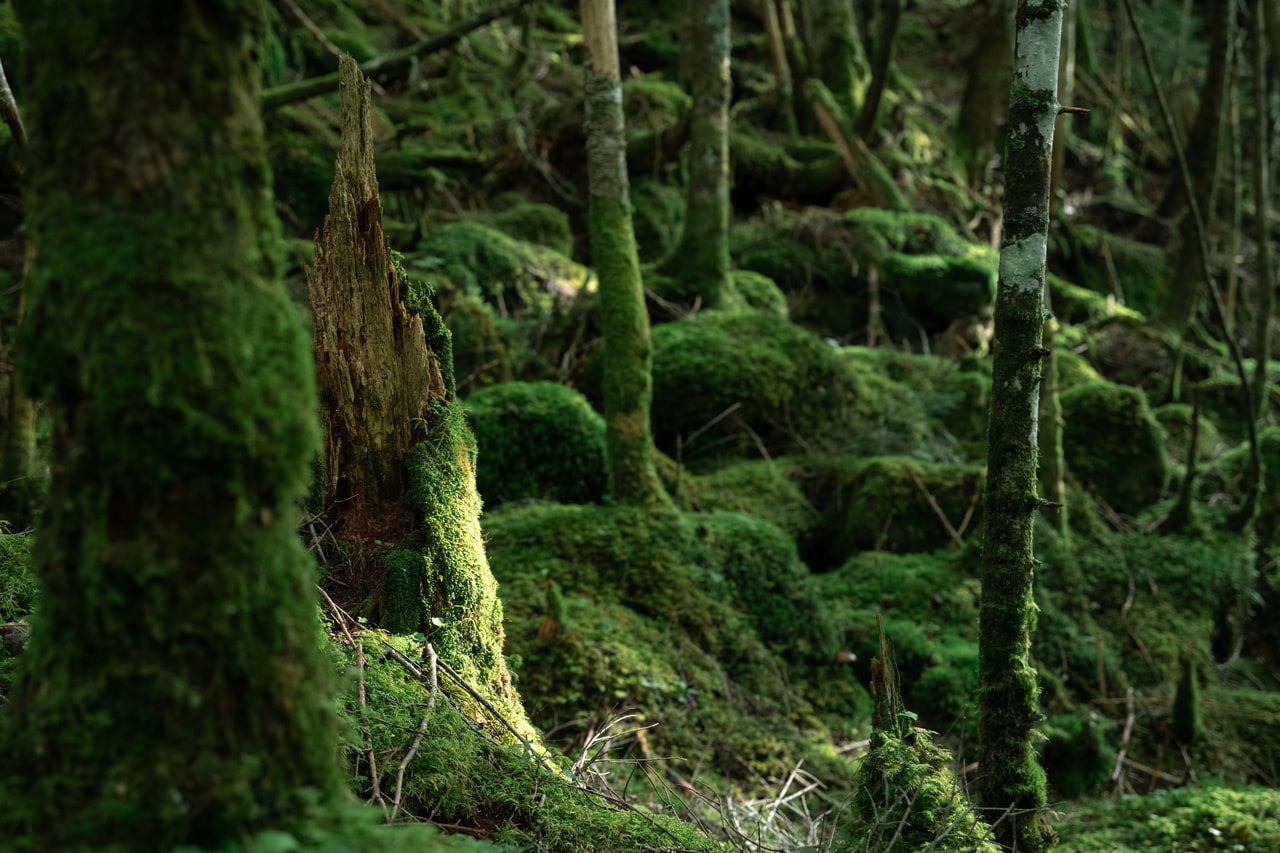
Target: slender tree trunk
<point>628,356</point>
<point>869,114</point>
<point>702,259</point>
<point>173,691</point>
<point>1204,149</point>
<point>781,65</point>
<point>835,54</point>
<point>978,125</point>
<point>1010,775</point>
<point>1266,274</point>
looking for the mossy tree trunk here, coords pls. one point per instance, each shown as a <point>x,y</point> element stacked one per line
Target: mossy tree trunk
<point>702,258</point>
<point>628,355</point>
<point>978,125</point>
<point>881,63</point>
<point>1204,150</point>
<point>173,691</point>
<point>400,457</point>
<point>1010,776</point>
<point>835,54</point>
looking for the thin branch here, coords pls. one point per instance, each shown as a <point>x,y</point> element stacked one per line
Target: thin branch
<point>419,735</point>
<point>9,111</point>
<point>392,63</point>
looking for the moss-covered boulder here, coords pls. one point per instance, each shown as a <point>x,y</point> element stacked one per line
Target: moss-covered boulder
<point>539,224</point>
<point>1077,754</point>
<point>753,290</point>
<point>1113,445</point>
<point>509,274</point>
<point>1133,352</point>
<point>537,440</point>
<point>481,350</point>
<point>888,504</point>
<point>766,488</point>
<point>929,603</point>
<point>1137,274</point>
<point>744,381</point>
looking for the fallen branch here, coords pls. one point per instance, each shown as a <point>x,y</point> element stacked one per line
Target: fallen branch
<point>392,63</point>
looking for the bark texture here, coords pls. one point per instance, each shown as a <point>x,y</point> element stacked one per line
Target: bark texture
<point>1010,775</point>
<point>628,353</point>
<point>375,371</point>
<point>173,691</point>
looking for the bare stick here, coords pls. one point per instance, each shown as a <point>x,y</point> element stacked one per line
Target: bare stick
<point>9,110</point>
<point>343,618</point>
<point>418,736</point>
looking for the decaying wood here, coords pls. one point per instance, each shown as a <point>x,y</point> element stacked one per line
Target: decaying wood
<point>373,365</point>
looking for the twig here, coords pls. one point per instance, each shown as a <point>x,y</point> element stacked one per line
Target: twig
<point>9,110</point>
<point>937,510</point>
<point>418,736</point>
<point>1124,738</point>
<point>343,619</point>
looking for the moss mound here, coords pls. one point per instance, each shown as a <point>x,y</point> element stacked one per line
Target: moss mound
<point>540,224</point>
<point>1113,445</point>
<point>696,621</point>
<point>537,440</point>
<point>739,381</point>
<point>753,290</point>
<point>1189,820</point>
<point>888,504</point>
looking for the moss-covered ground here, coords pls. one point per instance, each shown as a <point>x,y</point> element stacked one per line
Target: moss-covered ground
<point>700,674</point>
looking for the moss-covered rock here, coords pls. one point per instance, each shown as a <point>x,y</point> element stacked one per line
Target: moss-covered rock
<point>509,274</point>
<point>537,440</point>
<point>1133,352</point>
<point>930,605</point>
<point>1175,423</point>
<point>1077,754</point>
<point>540,224</point>
<point>481,349</point>
<point>765,489</point>
<point>1104,262</point>
<point>888,504</point>
<point>753,290</point>
<point>1113,445</point>
<point>740,381</point>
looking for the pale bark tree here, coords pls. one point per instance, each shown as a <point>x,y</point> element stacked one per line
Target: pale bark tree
<point>628,353</point>
<point>1011,783</point>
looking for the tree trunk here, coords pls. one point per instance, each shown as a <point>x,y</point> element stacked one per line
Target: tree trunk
<point>881,63</point>
<point>400,456</point>
<point>978,125</point>
<point>628,380</point>
<point>173,691</point>
<point>835,54</point>
<point>1204,149</point>
<point>702,259</point>
<point>1010,776</point>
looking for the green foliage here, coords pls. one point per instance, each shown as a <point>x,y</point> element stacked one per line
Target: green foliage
<point>19,591</point>
<point>1112,444</point>
<point>481,351</point>
<point>765,489</point>
<point>1190,820</point>
<point>537,440</point>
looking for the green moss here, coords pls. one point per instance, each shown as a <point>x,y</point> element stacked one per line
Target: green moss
<point>657,218</point>
<point>1188,819</point>
<point>1141,269</point>
<point>1175,423</point>
<point>540,224</point>
<point>511,275</point>
<point>1077,754</point>
<point>765,489</point>
<point>936,289</point>
<point>753,290</point>
<point>537,440</point>
<point>481,351</point>
<point>1075,304</point>
<point>302,146</point>
<point>930,604</point>
<point>693,620</point>
<point>766,379</point>
<point>18,589</point>
<point>882,504</point>
<point>461,778</point>
<point>1112,444</point>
